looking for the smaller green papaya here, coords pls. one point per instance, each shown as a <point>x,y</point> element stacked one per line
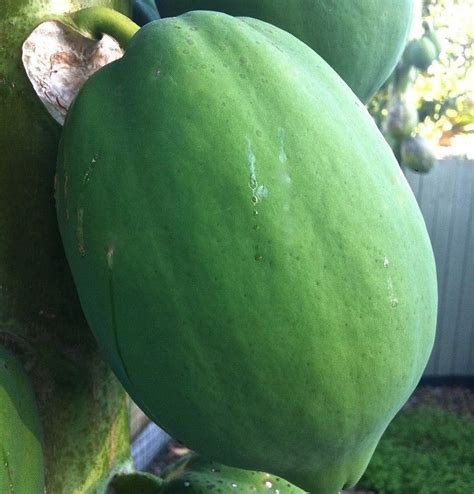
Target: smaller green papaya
<point>420,53</point>
<point>434,37</point>
<point>402,118</point>
<point>21,452</point>
<point>417,154</point>
<point>144,11</point>
<point>195,475</point>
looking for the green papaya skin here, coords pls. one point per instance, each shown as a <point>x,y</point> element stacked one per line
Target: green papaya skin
<point>21,454</point>
<point>258,274</point>
<point>195,475</point>
<point>361,40</point>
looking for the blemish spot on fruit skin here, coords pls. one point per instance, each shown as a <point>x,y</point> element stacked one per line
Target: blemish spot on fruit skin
<point>65,187</point>
<point>251,160</point>
<point>87,175</point>
<point>80,232</point>
<point>66,209</point>
<point>259,192</point>
<point>393,300</point>
<point>281,138</point>
<point>110,257</point>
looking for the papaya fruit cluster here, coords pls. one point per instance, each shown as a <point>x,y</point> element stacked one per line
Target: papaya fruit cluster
<point>246,251</point>
<point>400,127</point>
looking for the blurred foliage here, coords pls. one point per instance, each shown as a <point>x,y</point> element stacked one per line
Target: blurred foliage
<point>446,93</point>
<point>425,450</point>
<point>443,92</point>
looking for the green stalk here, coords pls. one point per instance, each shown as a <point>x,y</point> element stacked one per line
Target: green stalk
<point>96,21</point>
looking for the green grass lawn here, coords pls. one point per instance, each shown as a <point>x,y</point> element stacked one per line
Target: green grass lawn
<point>425,450</point>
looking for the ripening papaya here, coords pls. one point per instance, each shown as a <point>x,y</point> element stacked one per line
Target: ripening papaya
<point>21,453</point>
<point>246,250</point>
<point>362,41</point>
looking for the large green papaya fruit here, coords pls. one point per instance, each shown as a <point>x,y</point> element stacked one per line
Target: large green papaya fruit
<point>21,454</point>
<point>361,40</point>
<point>258,274</point>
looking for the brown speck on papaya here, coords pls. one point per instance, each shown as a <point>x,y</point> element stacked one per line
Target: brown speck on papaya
<point>65,187</point>
<point>80,232</point>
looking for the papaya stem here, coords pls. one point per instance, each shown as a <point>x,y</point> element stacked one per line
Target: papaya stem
<point>96,21</point>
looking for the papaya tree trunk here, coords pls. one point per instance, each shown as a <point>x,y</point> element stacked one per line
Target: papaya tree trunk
<point>83,408</point>
<point>85,424</point>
